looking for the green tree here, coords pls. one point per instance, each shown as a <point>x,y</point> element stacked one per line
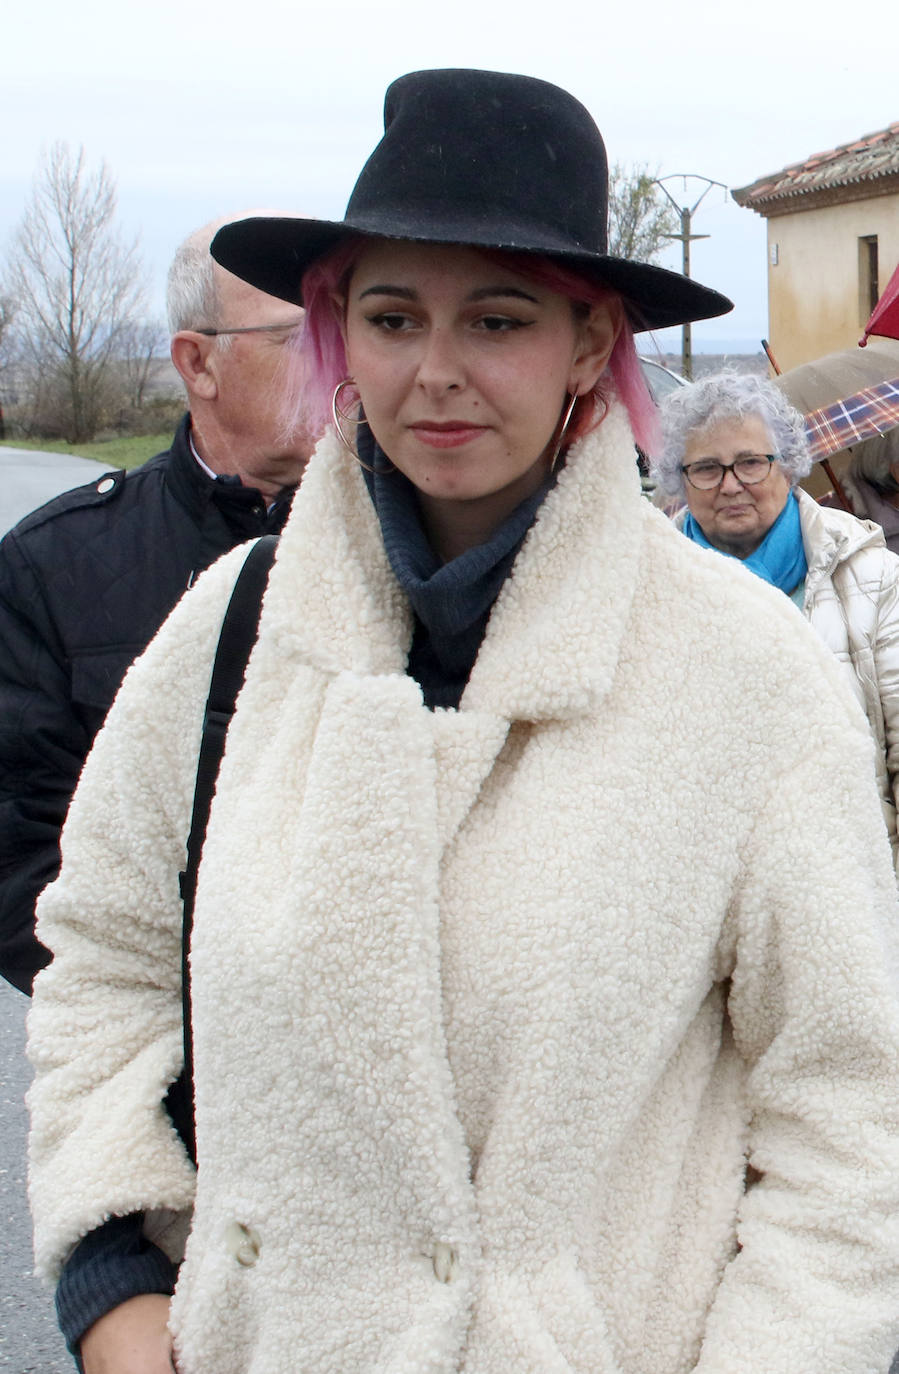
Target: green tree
<point>640,219</point>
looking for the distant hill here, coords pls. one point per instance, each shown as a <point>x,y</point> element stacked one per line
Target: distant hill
<point>713,362</point>
<point>719,346</point>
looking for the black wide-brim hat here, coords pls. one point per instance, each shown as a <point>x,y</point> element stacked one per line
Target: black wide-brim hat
<point>489,159</point>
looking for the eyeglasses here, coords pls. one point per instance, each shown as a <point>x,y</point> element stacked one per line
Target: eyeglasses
<point>251,329</point>
<point>749,470</point>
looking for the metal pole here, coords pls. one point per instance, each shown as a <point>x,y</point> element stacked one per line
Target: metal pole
<point>686,217</point>
<point>686,350</point>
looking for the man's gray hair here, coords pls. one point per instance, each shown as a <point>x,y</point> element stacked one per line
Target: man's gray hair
<point>191,299</point>
<point>719,398</point>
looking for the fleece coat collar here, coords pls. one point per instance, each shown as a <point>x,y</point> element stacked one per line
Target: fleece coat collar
<point>365,624</point>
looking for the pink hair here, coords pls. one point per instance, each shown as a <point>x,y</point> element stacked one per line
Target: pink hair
<point>318,362</point>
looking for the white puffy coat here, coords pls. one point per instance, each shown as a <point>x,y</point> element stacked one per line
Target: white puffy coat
<point>852,600</point>
<point>491,1005</point>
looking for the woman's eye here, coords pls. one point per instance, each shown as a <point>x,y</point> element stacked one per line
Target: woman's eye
<point>501,324</point>
<point>390,321</point>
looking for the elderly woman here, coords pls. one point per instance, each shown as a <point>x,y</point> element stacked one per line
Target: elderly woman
<point>516,943</point>
<point>735,449</point>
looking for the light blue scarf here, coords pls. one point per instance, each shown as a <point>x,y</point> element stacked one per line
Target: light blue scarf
<point>779,559</point>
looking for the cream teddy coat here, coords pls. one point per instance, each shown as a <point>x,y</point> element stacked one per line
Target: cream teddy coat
<point>491,1005</point>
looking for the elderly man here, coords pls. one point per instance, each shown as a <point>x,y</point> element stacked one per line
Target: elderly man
<point>87,580</point>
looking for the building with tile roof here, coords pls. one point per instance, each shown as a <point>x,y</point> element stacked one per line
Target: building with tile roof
<point>833,242</point>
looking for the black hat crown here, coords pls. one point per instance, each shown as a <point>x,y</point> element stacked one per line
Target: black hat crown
<point>485,158</point>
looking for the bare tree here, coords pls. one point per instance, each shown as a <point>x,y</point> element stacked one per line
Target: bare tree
<point>7,355</point>
<point>7,315</point>
<point>77,286</point>
<point>7,338</point>
<point>140,346</point>
<point>640,221</point>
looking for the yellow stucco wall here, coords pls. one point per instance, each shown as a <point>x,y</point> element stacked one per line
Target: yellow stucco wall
<point>813,290</point>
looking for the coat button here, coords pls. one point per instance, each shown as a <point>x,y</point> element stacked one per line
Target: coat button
<point>446,1262</point>
<point>243,1243</point>
<point>105,484</point>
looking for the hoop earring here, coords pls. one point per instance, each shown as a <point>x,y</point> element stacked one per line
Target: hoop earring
<point>572,402</point>
<point>337,415</point>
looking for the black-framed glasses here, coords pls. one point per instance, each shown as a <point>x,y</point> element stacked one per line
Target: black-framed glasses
<point>251,329</point>
<point>749,470</point>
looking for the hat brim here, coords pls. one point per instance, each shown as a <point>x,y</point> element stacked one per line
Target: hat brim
<point>272,253</point>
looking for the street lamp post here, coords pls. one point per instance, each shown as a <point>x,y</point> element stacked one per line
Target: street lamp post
<point>685,215</point>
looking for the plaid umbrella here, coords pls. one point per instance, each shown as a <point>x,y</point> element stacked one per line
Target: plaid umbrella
<point>872,411</point>
<point>823,381</point>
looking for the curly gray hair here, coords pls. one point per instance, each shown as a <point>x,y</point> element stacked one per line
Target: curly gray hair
<point>717,398</point>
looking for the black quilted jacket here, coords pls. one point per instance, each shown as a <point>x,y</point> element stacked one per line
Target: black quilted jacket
<point>85,582</point>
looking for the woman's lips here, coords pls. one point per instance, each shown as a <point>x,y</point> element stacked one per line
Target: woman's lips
<point>447,433</point>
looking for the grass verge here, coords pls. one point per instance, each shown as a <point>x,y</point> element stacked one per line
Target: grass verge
<point>113,453</point>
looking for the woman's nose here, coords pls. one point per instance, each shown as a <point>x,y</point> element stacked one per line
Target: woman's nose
<point>730,481</point>
<point>440,367</point>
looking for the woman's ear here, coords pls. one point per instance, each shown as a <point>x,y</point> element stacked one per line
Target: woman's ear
<point>597,336</point>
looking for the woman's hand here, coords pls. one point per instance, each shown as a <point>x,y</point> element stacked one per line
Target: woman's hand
<point>133,1338</point>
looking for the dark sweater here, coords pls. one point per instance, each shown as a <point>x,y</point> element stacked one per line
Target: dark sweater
<point>451,601</point>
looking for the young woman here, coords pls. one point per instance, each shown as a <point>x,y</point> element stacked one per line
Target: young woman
<point>517,951</point>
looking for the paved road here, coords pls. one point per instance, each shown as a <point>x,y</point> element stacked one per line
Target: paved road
<point>30,1342</point>
<point>29,477</point>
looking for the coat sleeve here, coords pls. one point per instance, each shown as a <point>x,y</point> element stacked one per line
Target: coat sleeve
<point>43,744</point>
<point>814,1005</point>
<point>105,1023</point>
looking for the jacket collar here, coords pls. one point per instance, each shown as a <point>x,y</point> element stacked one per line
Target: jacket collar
<point>196,490</point>
<point>188,481</point>
<point>554,638</point>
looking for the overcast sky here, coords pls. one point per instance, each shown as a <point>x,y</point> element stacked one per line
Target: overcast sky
<point>201,110</point>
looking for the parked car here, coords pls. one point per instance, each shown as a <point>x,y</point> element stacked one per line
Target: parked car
<point>661,382</point>
<point>660,379</point>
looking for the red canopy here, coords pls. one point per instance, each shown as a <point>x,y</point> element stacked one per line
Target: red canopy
<point>885,315</point>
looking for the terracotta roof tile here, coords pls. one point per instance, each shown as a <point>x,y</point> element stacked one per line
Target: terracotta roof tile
<point>866,159</point>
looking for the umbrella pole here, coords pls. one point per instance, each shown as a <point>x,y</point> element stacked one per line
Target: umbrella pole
<point>771,358</point>
<point>825,463</point>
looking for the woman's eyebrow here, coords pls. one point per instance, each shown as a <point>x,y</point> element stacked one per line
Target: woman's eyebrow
<point>406,293</point>
<point>516,292</point>
<point>403,292</point>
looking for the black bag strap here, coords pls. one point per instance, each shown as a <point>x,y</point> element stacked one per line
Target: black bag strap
<point>238,635</point>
